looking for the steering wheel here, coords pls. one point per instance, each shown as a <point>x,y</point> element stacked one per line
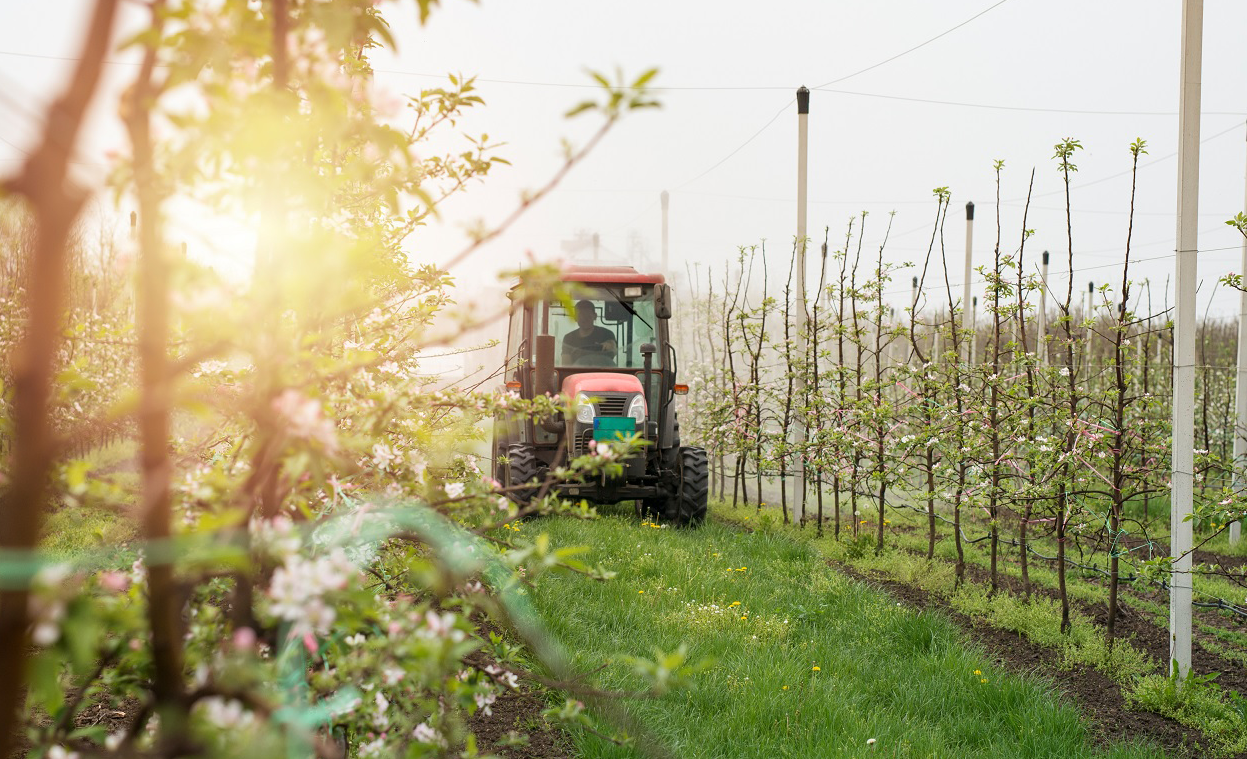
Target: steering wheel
<point>596,358</point>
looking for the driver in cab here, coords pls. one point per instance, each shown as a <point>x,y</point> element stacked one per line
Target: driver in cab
<point>589,344</point>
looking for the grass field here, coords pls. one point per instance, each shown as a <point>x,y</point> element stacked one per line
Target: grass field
<point>86,527</point>
<point>1137,666</point>
<point>805,661</point>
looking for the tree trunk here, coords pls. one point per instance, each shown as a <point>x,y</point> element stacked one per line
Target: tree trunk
<point>55,203</point>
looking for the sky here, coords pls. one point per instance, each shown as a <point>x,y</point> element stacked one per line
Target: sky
<point>908,95</point>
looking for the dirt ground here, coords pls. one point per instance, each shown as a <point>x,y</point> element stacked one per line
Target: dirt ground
<point>520,712</point>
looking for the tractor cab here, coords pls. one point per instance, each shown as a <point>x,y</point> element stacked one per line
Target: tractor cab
<point>609,351</point>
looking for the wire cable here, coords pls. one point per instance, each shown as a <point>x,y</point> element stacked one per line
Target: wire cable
<point>741,147</point>
<point>919,46</point>
<point>1023,108</point>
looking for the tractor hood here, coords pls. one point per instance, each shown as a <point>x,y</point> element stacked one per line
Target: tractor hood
<point>601,382</point>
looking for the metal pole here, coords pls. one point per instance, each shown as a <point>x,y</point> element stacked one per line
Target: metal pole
<point>1240,395</point>
<point>666,197</point>
<point>1184,338</point>
<point>967,320</point>
<point>1040,345</point>
<point>803,115</point>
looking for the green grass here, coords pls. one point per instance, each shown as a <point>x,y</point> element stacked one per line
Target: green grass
<point>1199,703</point>
<point>1218,714</point>
<point>1084,586</point>
<point>886,672</point>
<point>90,524</point>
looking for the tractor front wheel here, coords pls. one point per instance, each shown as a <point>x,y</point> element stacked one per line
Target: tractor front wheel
<point>694,487</point>
<point>522,468</point>
<point>664,507</point>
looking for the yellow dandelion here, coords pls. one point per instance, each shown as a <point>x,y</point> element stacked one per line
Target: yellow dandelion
<point>984,680</point>
<point>640,591</point>
<point>977,672</point>
<point>816,668</point>
<point>744,616</point>
<point>785,687</point>
<point>734,603</point>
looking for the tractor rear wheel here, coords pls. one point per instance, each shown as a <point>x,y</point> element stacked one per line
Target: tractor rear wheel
<point>694,487</point>
<point>522,468</point>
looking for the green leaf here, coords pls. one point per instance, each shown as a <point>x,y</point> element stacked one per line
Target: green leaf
<point>644,78</point>
<point>45,686</point>
<point>76,476</point>
<point>581,108</point>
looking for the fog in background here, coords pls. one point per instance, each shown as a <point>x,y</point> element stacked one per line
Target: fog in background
<point>908,96</point>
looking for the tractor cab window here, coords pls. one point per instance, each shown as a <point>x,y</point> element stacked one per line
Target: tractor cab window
<point>517,348</point>
<point>602,329</point>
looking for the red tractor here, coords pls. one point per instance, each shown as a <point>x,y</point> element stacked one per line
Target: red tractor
<point>609,351</point>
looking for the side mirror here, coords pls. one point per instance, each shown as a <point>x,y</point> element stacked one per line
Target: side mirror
<point>615,312</point>
<point>662,302</point>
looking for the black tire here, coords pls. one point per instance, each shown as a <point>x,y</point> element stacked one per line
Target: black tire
<point>694,488</point>
<point>522,467</point>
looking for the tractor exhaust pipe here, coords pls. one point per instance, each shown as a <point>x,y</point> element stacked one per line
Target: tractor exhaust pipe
<point>647,350</point>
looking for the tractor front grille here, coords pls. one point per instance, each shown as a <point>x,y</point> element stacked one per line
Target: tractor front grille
<point>613,404</point>
<point>581,444</point>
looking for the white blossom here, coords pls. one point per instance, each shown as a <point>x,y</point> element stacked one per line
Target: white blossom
<point>227,714</point>
<point>425,733</point>
<point>298,587</point>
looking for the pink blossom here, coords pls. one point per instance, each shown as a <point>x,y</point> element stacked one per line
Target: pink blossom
<point>117,582</point>
<point>304,418</point>
<point>244,639</point>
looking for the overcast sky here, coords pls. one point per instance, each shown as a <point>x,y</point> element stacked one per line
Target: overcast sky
<point>1007,84</point>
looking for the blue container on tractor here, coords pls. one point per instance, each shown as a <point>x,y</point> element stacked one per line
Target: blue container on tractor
<point>612,428</point>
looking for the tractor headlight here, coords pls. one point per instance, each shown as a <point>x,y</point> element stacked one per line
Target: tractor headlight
<point>637,410</point>
<point>584,409</point>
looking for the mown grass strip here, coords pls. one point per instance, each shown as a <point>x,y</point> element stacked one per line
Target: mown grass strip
<point>1200,703</point>
<point>807,662</point>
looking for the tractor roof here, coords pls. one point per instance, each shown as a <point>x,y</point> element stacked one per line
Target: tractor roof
<point>609,275</point>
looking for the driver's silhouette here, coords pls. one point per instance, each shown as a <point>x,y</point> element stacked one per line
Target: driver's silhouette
<point>589,344</point>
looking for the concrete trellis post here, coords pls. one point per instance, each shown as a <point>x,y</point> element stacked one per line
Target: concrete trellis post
<point>803,115</point>
<point>914,300</point>
<point>1089,315</point>
<point>1182,493</point>
<point>666,198</point>
<point>1042,328</point>
<point>974,329</point>
<point>1240,395</point>
<point>967,320</point>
